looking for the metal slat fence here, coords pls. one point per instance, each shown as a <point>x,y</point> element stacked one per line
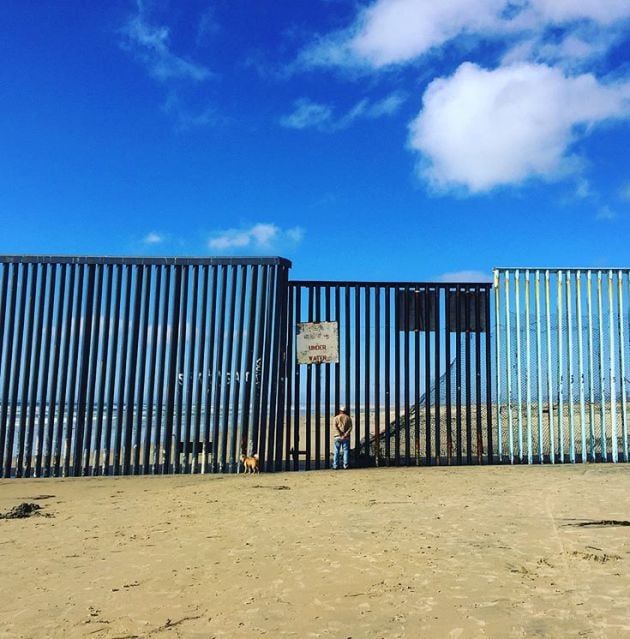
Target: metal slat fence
<point>136,366</point>
<point>414,369</point>
<point>562,357</point>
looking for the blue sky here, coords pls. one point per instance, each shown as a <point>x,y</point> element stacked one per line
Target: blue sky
<point>382,140</point>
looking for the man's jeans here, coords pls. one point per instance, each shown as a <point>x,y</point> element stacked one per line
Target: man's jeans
<point>341,445</point>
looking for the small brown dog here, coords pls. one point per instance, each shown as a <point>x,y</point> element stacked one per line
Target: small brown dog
<point>250,464</point>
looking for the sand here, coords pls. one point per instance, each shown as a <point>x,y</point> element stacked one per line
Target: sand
<point>374,553</point>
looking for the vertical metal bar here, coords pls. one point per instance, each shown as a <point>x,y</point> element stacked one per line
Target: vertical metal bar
<point>602,393</point>
<point>170,455</point>
<point>508,366</point>
<point>101,366</point>
<point>337,368</point>
<point>31,440</point>
<point>467,335</point>
<point>397,323</point>
<point>151,437</point>
<point>552,451</point>
<point>387,370</point>
<point>142,426</point>
<point>225,402</point>
<point>180,444</point>
<point>281,323</point>
<point>570,367</point>
<point>447,355</point>
<point>83,361</point>
<point>70,431</point>
<point>357,368</point>
<point>198,438</point>
<point>120,432</point>
<point>25,357</point>
<point>248,360</point>
<point>237,408</point>
<point>91,380</point>
<point>528,368</point>
<point>560,370</point>
<point>580,330</point>
<point>309,385</point>
<point>220,339</point>
<point>4,315</point>
<point>279,363</point>
<point>488,376</point>
<point>273,377</point>
<point>539,371</point>
<point>318,391</point>
<point>191,379</point>
<point>436,361</point>
<point>458,374</point>
<point>161,449</point>
<point>327,405</point>
<point>377,376</point>
<point>611,370</point>
<point>44,419</point>
<point>209,442</point>
<point>291,365</point>
<point>60,426</point>
<point>296,400</point>
<point>348,358</point>
<point>622,364</point>
<point>267,365</point>
<point>260,395</point>
<point>477,299</point>
<point>498,332</point>
<point>416,376</point>
<point>406,366</point>
<point>6,452</point>
<point>109,361</point>
<point>591,368</point>
<point>52,392</point>
<point>518,357</point>
<point>367,376</point>
<point>427,374</point>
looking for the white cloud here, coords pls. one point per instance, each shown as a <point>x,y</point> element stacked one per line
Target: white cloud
<point>480,129</point>
<point>151,45</point>
<point>307,114</point>
<point>262,237</point>
<point>466,276</point>
<point>624,191</point>
<point>399,31</point>
<point>153,238</point>
<point>561,11</point>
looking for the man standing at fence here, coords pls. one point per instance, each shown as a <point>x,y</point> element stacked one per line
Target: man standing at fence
<point>342,428</point>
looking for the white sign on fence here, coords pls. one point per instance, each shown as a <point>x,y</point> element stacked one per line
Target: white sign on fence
<point>317,343</point>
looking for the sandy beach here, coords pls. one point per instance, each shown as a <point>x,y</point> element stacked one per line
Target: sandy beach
<point>458,553</point>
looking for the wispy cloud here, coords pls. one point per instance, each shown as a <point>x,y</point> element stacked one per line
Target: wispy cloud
<point>261,237</point>
<point>153,238</point>
<point>465,276</point>
<point>150,44</point>
<point>307,114</point>
<point>605,213</point>
<point>624,191</point>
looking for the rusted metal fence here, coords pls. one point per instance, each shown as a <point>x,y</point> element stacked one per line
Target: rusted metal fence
<point>129,366</point>
<point>414,371</point>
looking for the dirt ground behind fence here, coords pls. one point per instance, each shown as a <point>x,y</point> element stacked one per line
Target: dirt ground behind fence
<point>500,552</point>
